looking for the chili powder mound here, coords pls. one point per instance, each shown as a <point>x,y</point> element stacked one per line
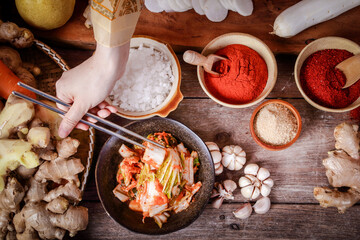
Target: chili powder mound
<point>323,83</point>
<point>242,78</point>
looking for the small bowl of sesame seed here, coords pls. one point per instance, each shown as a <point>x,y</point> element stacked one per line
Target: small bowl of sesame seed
<point>275,125</point>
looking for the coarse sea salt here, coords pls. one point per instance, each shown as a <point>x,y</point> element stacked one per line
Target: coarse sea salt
<point>147,80</point>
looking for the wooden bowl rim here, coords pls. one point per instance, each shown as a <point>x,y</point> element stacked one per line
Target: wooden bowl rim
<point>268,146</point>
<point>273,77</point>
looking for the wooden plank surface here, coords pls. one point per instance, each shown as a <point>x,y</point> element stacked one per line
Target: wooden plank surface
<point>294,214</point>
<point>190,30</point>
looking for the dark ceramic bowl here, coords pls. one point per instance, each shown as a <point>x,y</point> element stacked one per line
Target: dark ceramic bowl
<point>107,165</point>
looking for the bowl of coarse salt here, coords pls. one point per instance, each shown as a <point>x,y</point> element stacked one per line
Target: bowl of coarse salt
<point>151,83</point>
<point>275,125</point>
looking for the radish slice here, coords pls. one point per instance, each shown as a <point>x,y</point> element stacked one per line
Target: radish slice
<point>187,4</point>
<point>165,5</point>
<point>183,5</point>
<point>214,11</point>
<point>224,4</point>
<point>307,13</point>
<point>174,6</point>
<point>243,7</point>
<point>231,5</point>
<point>197,7</point>
<point>202,4</point>
<point>153,6</point>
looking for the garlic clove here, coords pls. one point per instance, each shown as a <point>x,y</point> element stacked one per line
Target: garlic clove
<point>212,146</point>
<point>229,185</point>
<point>219,170</point>
<point>214,193</point>
<point>244,181</point>
<point>241,160</point>
<point>263,174</point>
<point>269,182</point>
<point>231,166</point>
<point>252,178</point>
<point>238,165</point>
<point>217,202</point>
<point>256,193</point>
<point>252,169</point>
<point>216,156</point>
<point>265,190</point>
<point>217,165</point>
<point>226,160</point>
<point>247,191</point>
<point>262,205</point>
<point>244,211</point>
<point>227,149</point>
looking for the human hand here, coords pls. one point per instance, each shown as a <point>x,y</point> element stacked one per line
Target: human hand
<point>87,85</point>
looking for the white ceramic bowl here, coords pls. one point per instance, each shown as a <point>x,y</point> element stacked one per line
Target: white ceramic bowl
<point>322,44</point>
<point>175,96</point>
<point>251,42</point>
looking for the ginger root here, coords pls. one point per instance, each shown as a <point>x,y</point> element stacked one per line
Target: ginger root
<point>59,169</point>
<point>52,119</point>
<point>67,147</point>
<point>37,191</point>
<point>39,136</point>
<point>16,36</point>
<point>58,205</point>
<point>70,191</point>
<point>334,198</point>
<point>11,58</point>
<point>342,170</point>
<point>17,113</point>
<point>14,152</point>
<point>10,199</point>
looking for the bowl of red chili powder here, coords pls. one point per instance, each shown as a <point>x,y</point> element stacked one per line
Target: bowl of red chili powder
<point>317,79</point>
<point>246,77</point>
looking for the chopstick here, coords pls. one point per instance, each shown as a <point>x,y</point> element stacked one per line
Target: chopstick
<point>106,122</point>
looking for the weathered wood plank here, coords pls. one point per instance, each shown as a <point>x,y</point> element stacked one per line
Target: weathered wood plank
<point>283,221</point>
<point>188,29</point>
<point>296,170</point>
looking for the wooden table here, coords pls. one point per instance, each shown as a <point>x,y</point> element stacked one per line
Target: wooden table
<point>294,213</point>
<point>296,171</point>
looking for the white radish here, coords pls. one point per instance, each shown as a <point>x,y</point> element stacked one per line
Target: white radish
<point>307,13</point>
<point>153,6</point>
<point>243,7</point>
<point>197,7</point>
<point>165,5</point>
<point>214,11</point>
<point>202,4</point>
<point>175,6</point>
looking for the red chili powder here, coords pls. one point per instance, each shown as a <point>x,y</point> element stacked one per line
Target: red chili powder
<point>242,77</point>
<point>323,83</point>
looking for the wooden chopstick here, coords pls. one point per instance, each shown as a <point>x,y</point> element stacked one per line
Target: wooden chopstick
<point>106,122</point>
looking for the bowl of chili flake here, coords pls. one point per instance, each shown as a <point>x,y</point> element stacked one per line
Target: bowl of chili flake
<point>247,75</point>
<point>317,79</point>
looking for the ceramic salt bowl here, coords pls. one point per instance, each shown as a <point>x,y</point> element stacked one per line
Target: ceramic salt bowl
<point>252,42</point>
<point>175,96</point>
<point>322,44</point>
<point>107,166</point>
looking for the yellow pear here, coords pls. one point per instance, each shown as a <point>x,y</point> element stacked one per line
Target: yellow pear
<point>45,14</point>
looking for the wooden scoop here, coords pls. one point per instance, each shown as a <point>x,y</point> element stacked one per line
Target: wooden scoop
<point>351,69</point>
<point>195,58</point>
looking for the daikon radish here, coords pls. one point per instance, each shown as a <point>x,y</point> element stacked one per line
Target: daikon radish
<point>244,7</point>
<point>153,6</point>
<point>307,13</point>
<point>165,5</point>
<point>214,11</point>
<point>197,7</point>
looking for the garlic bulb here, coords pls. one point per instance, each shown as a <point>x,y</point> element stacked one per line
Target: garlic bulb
<point>262,205</point>
<point>216,156</point>
<point>255,182</point>
<point>233,157</point>
<point>244,211</point>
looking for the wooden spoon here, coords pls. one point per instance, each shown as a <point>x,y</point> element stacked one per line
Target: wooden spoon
<point>351,69</point>
<point>195,58</point>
